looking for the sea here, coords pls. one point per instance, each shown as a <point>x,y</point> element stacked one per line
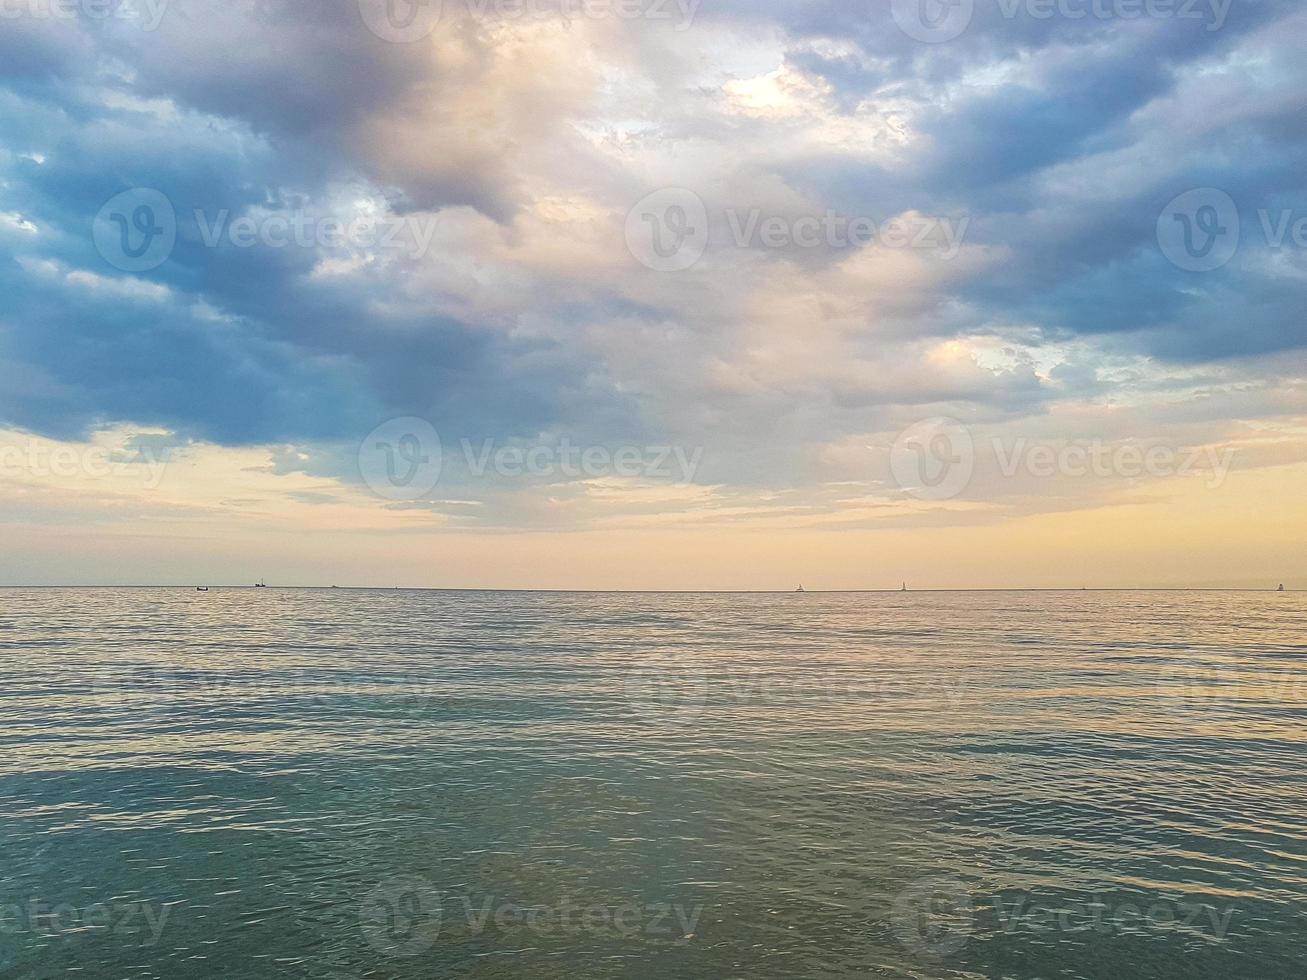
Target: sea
<point>342,783</point>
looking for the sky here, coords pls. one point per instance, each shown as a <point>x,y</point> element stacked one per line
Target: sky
<point>653,294</point>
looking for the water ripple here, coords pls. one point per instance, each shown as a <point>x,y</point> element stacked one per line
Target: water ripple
<point>341,783</point>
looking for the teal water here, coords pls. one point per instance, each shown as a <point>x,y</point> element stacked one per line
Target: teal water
<point>350,784</point>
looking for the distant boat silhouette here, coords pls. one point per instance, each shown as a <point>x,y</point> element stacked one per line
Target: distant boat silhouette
<point>1281,588</point>
<point>260,584</point>
<point>905,587</point>
<point>800,589</point>
<point>199,589</point>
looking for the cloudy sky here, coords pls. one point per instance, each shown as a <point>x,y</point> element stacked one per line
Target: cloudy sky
<point>653,293</point>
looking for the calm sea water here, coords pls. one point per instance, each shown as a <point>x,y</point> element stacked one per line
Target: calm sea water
<point>349,784</point>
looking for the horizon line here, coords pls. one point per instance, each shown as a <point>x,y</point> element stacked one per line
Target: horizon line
<point>899,591</point>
